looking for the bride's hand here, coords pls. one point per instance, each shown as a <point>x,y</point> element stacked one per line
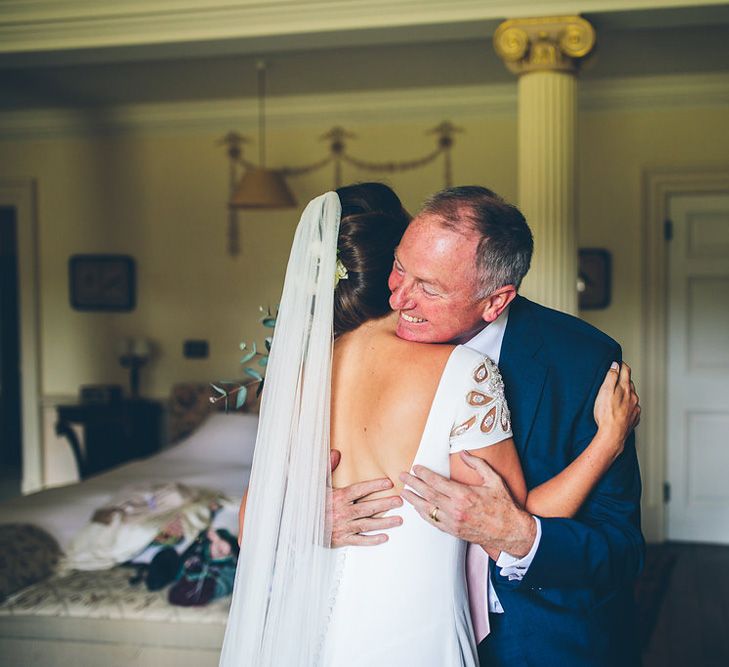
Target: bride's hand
<point>617,408</point>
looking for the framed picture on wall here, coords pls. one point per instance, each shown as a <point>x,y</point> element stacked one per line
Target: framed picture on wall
<point>593,283</point>
<point>102,282</point>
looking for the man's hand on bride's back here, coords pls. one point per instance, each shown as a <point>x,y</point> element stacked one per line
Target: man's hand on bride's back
<point>351,515</point>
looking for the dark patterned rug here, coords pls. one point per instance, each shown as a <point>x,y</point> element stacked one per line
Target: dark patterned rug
<point>650,589</point>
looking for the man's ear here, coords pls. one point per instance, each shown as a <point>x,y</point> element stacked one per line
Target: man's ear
<point>495,303</point>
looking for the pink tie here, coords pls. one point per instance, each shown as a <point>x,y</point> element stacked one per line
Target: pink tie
<point>477,568</point>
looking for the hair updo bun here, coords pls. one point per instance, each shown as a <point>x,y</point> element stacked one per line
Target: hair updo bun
<point>373,222</point>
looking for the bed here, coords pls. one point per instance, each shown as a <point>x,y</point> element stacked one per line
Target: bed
<point>99,618</point>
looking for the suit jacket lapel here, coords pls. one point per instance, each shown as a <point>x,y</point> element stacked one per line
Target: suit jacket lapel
<point>523,372</point>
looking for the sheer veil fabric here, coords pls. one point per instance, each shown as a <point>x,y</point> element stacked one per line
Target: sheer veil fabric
<point>280,601</point>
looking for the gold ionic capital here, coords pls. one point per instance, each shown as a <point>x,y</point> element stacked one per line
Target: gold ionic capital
<point>553,43</point>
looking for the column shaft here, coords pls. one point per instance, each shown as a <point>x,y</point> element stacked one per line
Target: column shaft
<point>547,111</point>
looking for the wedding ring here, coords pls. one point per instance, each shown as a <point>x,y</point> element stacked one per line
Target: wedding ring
<point>434,514</point>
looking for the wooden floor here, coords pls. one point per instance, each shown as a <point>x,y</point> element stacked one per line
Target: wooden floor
<point>692,628</point>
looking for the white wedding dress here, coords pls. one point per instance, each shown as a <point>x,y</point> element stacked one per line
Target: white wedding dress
<point>297,602</point>
<point>405,602</point>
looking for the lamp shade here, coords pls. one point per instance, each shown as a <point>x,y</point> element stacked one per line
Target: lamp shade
<point>262,188</point>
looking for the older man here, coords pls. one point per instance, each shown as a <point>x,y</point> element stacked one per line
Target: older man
<point>560,590</point>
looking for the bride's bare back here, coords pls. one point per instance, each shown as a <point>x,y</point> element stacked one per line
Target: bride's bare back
<point>382,391</point>
<point>396,403</point>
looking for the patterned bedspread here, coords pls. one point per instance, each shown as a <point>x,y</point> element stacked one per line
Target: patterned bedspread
<point>107,594</point>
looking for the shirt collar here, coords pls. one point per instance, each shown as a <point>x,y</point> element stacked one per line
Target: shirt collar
<point>488,340</point>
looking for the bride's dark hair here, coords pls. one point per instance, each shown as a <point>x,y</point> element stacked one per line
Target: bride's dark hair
<point>373,222</point>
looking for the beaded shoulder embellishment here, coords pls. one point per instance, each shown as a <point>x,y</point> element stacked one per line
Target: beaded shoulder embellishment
<point>487,401</point>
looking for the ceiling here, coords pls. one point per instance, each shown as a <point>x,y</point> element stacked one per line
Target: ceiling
<point>422,49</point>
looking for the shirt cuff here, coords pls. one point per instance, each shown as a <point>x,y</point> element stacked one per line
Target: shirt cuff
<point>515,568</point>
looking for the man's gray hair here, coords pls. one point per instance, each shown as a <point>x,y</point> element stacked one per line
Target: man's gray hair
<point>505,245</point>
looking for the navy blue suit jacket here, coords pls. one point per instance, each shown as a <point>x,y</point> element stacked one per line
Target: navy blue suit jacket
<point>575,604</point>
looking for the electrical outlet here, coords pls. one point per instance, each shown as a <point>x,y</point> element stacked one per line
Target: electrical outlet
<point>195,349</point>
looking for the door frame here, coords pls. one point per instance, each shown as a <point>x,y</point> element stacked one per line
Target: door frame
<point>659,185</point>
<point>21,194</point>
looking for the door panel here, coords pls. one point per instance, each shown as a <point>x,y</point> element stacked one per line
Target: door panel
<point>698,369</point>
<point>708,323</point>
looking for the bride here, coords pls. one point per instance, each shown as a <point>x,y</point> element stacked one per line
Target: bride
<point>339,378</point>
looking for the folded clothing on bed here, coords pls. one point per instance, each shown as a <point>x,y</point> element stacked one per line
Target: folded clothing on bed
<point>127,525</point>
<point>206,575</point>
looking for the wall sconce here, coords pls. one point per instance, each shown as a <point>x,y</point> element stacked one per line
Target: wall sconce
<point>261,187</point>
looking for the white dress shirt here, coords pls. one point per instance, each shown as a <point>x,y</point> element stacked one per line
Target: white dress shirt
<point>488,341</point>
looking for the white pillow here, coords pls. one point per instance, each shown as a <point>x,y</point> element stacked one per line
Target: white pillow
<point>221,438</point>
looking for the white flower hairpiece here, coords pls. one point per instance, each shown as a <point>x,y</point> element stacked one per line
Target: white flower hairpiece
<point>340,272</point>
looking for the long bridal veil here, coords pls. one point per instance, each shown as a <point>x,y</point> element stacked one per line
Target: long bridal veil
<point>285,569</point>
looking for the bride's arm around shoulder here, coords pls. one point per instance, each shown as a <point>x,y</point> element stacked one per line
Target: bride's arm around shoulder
<point>483,428</point>
<point>616,412</point>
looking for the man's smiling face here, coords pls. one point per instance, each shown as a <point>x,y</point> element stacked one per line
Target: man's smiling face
<point>434,283</point>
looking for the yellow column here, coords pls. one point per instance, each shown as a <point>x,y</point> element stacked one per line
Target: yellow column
<point>545,53</point>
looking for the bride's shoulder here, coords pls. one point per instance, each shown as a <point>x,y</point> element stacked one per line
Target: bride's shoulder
<point>426,355</point>
<point>474,367</point>
<point>435,357</point>
<point>400,362</point>
<point>459,365</point>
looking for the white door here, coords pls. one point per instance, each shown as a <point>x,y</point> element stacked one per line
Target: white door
<point>698,369</point>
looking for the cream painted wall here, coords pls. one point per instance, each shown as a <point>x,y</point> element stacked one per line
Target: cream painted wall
<point>160,197</point>
<point>615,150</point>
<point>161,200</point>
